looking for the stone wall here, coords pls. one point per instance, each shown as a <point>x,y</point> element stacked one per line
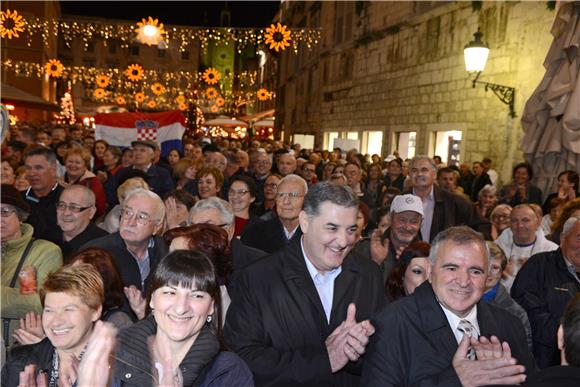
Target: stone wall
<point>402,68</point>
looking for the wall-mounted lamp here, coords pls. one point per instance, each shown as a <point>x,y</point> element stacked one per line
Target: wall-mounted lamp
<point>475,54</point>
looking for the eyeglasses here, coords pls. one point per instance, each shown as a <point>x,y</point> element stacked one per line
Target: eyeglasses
<point>71,206</point>
<point>271,185</point>
<point>141,217</point>
<point>289,195</point>
<point>241,192</point>
<point>6,211</point>
<point>308,170</point>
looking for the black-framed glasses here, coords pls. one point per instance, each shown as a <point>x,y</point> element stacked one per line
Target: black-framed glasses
<point>289,195</point>
<point>73,207</point>
<point>240,192</point>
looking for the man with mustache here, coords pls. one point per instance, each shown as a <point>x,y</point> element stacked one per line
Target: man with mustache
<point>441,209</point>
<point>299,317</point>
<point>406,216</point>
<point>442,335</point>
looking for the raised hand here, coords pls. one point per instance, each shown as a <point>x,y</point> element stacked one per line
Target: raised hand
<point>490,348</point>
<point>379,249</point>
<point>490,370</point>
<point>28,378</point>
<point>30,331</point>
<point>94,369</point>
<point>136,301</point>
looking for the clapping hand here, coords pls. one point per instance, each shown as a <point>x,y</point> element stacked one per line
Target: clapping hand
<point>30,331</point>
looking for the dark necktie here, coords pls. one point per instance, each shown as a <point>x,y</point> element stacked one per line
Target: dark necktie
<point>468,329</point>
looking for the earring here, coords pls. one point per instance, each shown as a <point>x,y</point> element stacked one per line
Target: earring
<point>209,318</point>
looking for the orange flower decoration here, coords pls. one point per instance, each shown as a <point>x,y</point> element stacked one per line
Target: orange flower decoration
<point>134,72</point>
<point>211,76</point>
<point>263,94</point>
<point>220,101</point>
<point>102,81</point>
<point>180,99</point>
<point>54,68</point>
<point>182,106</point>
<point>157,88</point>
<point>278,37</point>
<point>11,24</point>
<point>151,104</point>
<point>99,93</point>
<point>120,100</point>
<point>213,109</point>
<point>139,97</point>
<point>211,93</point>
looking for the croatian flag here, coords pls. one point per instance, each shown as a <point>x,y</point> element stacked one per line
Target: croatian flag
<point>119,129</point>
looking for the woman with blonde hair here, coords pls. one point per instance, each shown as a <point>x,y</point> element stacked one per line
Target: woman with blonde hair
<point>185,174</point>
<point>111,221</point>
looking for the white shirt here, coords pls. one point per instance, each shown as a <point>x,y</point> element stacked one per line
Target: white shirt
<point>289,234</point>
<point>428,209</point>
<point>454,320</point>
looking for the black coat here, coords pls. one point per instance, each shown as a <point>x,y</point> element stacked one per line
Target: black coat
<point>128,267</point>
<point>74,245</point>
<point>19,357</point>
<point>543,288</point>
<point>43,214</point>
<point>414,345</point>
<point>244,255</point>
<point>452,210</point>
<point>267,235</point>
<point>277,324</point>
<point>558,376</point>
<point>478,183</point>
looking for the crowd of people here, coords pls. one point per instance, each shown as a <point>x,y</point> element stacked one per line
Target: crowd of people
<point>241,263</point>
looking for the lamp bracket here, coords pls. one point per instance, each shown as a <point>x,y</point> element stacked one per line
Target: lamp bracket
<point>506,94</point>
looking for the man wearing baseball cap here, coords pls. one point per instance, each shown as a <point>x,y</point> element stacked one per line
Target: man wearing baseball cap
<point>158,178</point>
<point>406,217</point>
<point>26,262</point>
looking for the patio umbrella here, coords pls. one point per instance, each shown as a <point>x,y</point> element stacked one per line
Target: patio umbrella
<point>265,123</point>
<point>551,117</point>
<point>226,122</point>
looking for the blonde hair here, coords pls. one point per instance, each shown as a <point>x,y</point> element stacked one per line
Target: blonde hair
<point>129,186</point>
<point>81,280</point>
<point>82,152</point>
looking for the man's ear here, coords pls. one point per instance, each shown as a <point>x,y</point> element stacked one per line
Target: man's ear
<point>303,219</point>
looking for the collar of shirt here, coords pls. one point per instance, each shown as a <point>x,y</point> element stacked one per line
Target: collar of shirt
<point>289,234</point>
<point>324,282</point>
<point>144,170</point>
<point>428,209</point>
<point>144,264</point>
<point>30,195</point>
<point>453,320</point>
<point>571,268</point>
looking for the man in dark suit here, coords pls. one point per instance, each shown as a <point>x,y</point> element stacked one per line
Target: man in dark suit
<point>274,234</point>
<point>419,340</point>
<point>442,209</point>
<point>220,213</point>
<point>295,316</point>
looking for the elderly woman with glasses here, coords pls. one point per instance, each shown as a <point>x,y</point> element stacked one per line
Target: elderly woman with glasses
<point>26,262</point>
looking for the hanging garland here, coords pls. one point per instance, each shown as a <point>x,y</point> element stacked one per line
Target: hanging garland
<point>177,36</point>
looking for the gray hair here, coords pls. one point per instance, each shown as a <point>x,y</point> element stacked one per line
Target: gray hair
<point>423,157</point>
<point>459,235</point>
<point>487,189</point>
<point>87,193</point>
<point>160,206</point>
<point>500,207</point>
<point>214,203</point>
<point>293,177</point>
<point>328,192</point>
<point>569,225</point>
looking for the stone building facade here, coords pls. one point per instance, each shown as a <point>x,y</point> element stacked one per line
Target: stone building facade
<point>392,73</point>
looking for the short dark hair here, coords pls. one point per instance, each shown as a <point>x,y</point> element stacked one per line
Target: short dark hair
<point>39,150</point>
<point>182,196</point>
<point>328,192</point>
<point>394,286</point>
<point>189,269</point>
<point>447,170</point>
<point>571,327</point>
<point>528,168</point>
<point>572,177</point>
<point>248,181</point>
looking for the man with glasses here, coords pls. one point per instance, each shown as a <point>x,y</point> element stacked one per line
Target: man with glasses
<point>218,212</point>
<point>309,173</point>
<point>299,317</point>
<point>262,166</point>
<point>136,247</point>
<point>44,191</point>
<point>74,211</point>
<point>273,234</point>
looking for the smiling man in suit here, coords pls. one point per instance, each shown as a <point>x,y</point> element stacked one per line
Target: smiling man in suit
<point>442,335</point>
<point>299,317</point>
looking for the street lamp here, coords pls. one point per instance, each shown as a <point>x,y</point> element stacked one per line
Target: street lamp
<point>475,55</point>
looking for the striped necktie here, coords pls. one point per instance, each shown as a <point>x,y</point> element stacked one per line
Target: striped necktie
<point>468,329</point>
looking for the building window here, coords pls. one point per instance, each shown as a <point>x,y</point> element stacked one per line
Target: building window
<point>185,55</point>
<point>134,50</point>
<point>447,144</point>
<point>160,53</point>
<point>372,142</point>
<point>329,140</point>
<point>406,144</point>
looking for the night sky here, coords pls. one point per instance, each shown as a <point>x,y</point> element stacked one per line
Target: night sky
<point>187,13</point>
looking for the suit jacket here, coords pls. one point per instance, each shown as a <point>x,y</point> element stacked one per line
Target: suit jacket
<point>244,255</point>
<point>268,235</point>
<point>414,345</point>
<point>128,267</point>
<point>277,324</point>
<point>560,376</point>
<point>452,210</point>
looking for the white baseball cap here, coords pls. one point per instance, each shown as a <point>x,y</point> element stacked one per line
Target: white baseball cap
<point>407,202</point>
<point>390,158</point>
